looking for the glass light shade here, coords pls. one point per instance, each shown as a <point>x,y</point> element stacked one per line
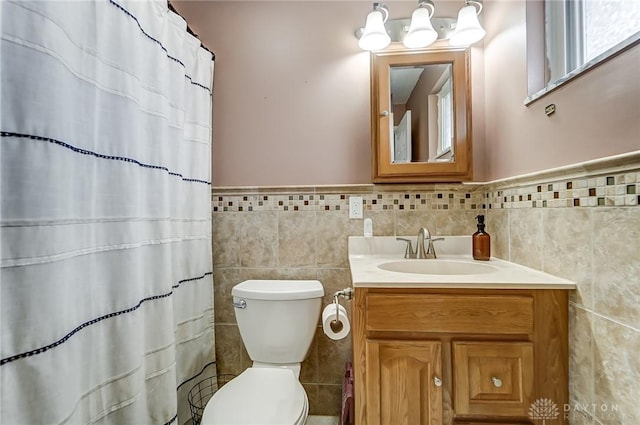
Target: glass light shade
<point>468,29</point>
<point>375,35</point>
<point>421,32</point>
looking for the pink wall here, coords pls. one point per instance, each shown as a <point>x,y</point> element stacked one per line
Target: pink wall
<point>597,115</point>
<point>291,89</point>
<point>291,95</point>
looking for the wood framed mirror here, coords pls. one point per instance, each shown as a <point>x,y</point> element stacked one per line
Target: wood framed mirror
<point>421,115</point>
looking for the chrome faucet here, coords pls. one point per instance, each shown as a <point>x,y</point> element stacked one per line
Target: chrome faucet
<point>423,234</point>
<point>421,253</point>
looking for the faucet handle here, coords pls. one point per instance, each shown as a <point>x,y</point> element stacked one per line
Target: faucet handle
<point>431,250</point>
<point>409,251</point>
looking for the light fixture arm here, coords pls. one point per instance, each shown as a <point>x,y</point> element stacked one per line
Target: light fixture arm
<point>382,8</point>
<point>427,4</point>
<point>474,3</point>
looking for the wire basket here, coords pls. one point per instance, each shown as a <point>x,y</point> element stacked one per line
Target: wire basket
<point>199,395</point>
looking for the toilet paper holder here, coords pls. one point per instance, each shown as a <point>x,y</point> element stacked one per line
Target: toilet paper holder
<point>347,293</point>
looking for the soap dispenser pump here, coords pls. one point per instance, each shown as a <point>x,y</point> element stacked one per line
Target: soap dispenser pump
<point>481,241</point>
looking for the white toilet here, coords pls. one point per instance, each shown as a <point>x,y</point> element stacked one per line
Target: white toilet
<point>277,320</point>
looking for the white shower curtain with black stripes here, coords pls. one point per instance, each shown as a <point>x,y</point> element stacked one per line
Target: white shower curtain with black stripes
<point>106,274</point>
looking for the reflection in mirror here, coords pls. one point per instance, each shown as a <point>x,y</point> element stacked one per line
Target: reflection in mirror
<point>422,113</point>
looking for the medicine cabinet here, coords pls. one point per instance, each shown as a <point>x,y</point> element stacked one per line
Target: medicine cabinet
<point>421,115</point>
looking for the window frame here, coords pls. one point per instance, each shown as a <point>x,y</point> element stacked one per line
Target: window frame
<point>445,118</point>
<point>537,63</point>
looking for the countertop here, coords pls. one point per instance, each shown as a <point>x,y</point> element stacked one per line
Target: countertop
<point>366,273</point>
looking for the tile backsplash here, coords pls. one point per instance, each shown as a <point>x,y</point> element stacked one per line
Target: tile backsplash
<point>450,197</point>
<point>581,223</point>
<point>603,191</point>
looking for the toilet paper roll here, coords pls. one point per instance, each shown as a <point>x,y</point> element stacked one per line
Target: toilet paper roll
<point>329,314</point>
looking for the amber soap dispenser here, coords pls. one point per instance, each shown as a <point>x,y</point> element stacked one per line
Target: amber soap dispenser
<point>481,241</point>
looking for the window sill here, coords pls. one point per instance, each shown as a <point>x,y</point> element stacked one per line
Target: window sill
<point>600,59</point>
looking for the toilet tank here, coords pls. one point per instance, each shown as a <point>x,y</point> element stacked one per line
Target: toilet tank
<point>279,318</point>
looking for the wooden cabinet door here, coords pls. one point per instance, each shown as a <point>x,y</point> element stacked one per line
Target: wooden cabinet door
<point>493,378</point>
<point>404,382</point>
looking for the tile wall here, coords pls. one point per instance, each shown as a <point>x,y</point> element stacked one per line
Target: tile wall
<point>584,227</point>
<point>301,233</point>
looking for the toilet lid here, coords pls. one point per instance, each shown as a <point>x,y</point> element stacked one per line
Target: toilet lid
<point>279,290</point>
<point>258,396</point>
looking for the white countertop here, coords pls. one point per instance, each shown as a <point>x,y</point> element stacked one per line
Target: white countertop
<point>366,254</point>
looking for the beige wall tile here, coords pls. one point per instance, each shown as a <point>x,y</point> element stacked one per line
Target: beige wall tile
<point>409,222</point>
<point>296,239</point>
<point>259,239</point>
<point>567,249</point>
<point>580,356</point>
<point>329,400</point>
<point>228,350</point>
<point>297,274</point>
<point>525,237</point>
<point>332,234</point>
<point>616,262</point>
<point>498,228</point>
<point>383,222</point>
<point>278,273</point>
<point>457,222</point>
<point>226,239</point>
<point>332,356</point>
<point>617,371</point>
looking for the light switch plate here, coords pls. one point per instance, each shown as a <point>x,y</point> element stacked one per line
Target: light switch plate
<point>355,206</point>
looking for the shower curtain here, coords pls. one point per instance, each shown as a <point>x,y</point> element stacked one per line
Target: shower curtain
<point>106,269</point>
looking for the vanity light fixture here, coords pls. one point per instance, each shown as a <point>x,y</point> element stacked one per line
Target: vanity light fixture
<point>468,29</point>
<point>423,29</point>
<point>375,36</point>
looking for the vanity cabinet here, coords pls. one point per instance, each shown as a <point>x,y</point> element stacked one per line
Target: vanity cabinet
<point>458,356</point>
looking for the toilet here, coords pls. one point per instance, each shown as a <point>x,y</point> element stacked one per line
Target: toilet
<point>277,321</point>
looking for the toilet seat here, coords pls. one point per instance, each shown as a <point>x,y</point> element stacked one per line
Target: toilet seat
<point>259,396</point>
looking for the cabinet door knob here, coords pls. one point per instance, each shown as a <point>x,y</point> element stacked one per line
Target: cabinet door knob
<point>437,381</point>
<point>384,113</point>
<point>497,382</point>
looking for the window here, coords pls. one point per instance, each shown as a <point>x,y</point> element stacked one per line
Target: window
<point>578,35</point>
<point>445,118</point>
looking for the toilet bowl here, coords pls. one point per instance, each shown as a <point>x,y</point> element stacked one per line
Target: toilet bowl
<point>277,320</point>
<point>259,396</point>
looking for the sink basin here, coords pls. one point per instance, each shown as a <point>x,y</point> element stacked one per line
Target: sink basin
<point>442,267</point>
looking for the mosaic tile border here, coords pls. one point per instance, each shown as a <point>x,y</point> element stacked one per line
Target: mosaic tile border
<point>609,190</point>
<point>317,200</point>
<point>610,182</point>
<point>621,190</point>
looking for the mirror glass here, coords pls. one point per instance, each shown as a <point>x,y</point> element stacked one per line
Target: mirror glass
<point>422,113</point>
